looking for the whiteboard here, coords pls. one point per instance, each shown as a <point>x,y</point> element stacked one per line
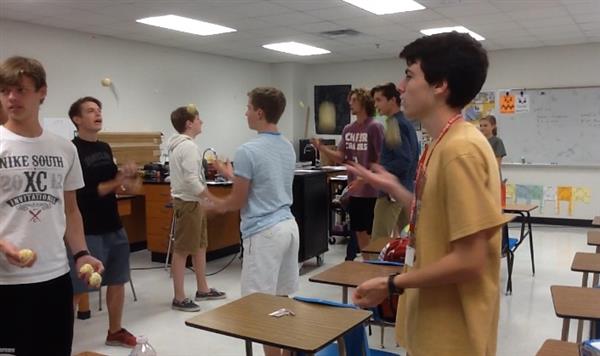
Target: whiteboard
<point>559,126</point>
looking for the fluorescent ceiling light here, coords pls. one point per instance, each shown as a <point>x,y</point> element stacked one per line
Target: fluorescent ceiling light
<point>460,29</point>
<point>384,7</point>
<point>185,24</point>
<point>299,49</point>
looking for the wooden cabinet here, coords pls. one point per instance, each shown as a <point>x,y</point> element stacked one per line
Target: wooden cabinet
<point>223,229</point>
<point>158,216</point>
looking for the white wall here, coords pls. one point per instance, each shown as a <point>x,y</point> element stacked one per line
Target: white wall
<point>150,81</point>
<point>561,66</point>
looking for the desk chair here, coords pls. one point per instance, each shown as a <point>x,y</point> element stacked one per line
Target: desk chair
<point>355,341</point>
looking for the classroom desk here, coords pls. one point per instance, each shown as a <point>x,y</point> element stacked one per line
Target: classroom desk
<point>523,210</point>
<point>575,303</point>
<point>596,221</point>
<point>352,274</point>
<point>313,327</point>
<point>593,239</point>
<point>375,246</point>
<point>586,263</point>
<point>558,348</point>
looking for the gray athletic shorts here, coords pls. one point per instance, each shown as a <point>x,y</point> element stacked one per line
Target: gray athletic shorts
<point>113,250</point>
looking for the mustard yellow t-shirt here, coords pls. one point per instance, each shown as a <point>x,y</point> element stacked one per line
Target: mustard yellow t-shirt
<point>461,196</point>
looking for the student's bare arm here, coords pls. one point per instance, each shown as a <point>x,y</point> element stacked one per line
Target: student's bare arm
<point>466,261</point>
<point>236,200</point>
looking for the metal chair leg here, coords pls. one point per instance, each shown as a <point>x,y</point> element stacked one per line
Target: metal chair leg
<point>100,298</point>
<point>171,237</point>
<point>132,288</point>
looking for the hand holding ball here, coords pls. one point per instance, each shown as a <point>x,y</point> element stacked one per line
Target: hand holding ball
<point>86,269</point>
<point>95,280</point>
<point>25,255</point>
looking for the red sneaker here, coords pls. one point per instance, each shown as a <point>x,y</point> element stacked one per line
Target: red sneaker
<point>121,338</point>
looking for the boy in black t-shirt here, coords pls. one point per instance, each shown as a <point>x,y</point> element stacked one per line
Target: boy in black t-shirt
<point>104,232</point>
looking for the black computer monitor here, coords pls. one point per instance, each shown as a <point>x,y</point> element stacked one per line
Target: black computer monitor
<point>306,153</point>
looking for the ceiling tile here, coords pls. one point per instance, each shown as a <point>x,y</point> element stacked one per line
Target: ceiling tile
<point>290,18</point>
<point>340,12</point>
<point>538,12</point>
<point>468,9</point>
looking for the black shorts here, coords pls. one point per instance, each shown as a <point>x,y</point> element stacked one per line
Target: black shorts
<point>361,212</point>
<point>39,318</point>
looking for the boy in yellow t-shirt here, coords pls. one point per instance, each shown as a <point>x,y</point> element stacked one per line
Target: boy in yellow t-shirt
<point>450,288</point>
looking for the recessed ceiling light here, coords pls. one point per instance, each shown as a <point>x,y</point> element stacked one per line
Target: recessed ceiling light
<point>384,7</point>
<point>460,29</point>
<point>185,24</point>
<point>298,49</point>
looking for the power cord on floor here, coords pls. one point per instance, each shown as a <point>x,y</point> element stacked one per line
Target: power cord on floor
<point>190,268</point>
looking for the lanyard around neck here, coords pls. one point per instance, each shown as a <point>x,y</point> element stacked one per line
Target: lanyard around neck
<point>421,168</point>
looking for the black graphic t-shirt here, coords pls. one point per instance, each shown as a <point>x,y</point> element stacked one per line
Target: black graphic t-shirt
<point>35,173</point>
<point>100,214</point>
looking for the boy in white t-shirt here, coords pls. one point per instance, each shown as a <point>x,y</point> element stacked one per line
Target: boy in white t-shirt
<point>39,174</point>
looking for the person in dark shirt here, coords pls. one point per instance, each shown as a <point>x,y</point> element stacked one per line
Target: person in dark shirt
<point>104,232</point>
<point>399,156</point>
<point>488,128</point>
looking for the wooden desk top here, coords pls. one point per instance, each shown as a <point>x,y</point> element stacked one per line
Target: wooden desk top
<point>519,207</point>
<point>576,302</point>
<point>593,237</point>
<point>558,348</point>
<point>352,273</point>
<point>313,327</point>
<point>376,245</point>
<point>596,221</point>
<point>586,262</point>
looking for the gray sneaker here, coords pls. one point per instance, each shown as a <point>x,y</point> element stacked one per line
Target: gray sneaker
<point>185,305</point>
<point>212,294</point>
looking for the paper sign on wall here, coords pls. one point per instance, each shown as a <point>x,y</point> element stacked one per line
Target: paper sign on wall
<point>582,194</point>
<point>507,103</point>
<point>522,103</point>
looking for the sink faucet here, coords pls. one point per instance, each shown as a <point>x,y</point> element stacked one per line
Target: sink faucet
<point>315,153</point>
<point>205,162</point>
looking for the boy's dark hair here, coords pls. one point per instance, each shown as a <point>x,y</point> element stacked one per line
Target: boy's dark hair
<point>388,90</point>
<point>75,109</point>
<point>181,115</point>
<point>365,99</point>
<point>456,58</point>
<point>492,120</point>
<point>270,100</point>
<point>14,68</point>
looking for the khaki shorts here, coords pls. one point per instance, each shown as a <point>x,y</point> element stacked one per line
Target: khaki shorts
<point>387,216</point>
<point>190,227</point>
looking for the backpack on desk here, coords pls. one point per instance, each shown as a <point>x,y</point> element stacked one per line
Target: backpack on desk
<point>394,251</point>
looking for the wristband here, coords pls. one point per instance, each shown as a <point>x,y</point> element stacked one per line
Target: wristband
<point>80,254</point>
<point>392,289</point>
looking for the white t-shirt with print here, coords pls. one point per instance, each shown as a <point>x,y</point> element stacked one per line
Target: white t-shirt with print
<point>34,173</point>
